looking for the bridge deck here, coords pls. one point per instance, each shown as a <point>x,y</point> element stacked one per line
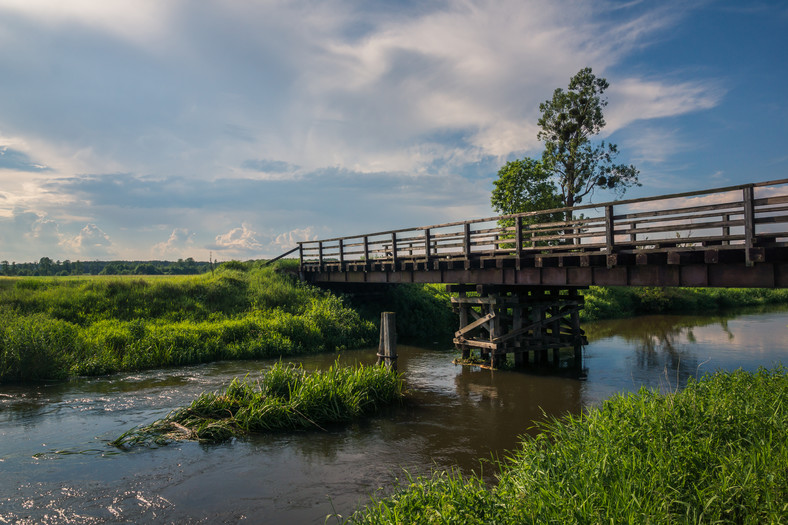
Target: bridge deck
<point>735,236</point>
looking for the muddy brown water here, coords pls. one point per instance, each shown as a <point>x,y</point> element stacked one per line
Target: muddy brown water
<point>56,466</point>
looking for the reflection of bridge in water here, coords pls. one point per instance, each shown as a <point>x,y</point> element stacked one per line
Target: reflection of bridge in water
<point>516,277</point>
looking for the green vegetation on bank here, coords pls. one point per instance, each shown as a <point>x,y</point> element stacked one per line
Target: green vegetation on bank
<point>616,301</point>
<point>715,452</point>
<point>52,327</point>
<point>424,311</point>
<point>283,398</point>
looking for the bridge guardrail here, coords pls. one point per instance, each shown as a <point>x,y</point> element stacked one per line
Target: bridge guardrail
<point>749,218</point>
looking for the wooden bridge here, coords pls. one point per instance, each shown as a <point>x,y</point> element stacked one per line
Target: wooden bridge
<point>526,268</point>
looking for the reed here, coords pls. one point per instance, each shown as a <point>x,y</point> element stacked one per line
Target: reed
<point>715,452</point>
<point>283,398</point>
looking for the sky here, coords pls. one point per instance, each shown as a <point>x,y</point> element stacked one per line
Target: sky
<point>150,130</point>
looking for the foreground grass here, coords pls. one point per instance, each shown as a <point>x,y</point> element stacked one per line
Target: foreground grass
<point>283,398</point>
<point>53,328</point>
<point>715,452</point>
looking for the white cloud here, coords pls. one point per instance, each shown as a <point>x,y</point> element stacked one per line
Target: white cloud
<point>91,241</point>
<point>638,99</point>
<point>140,21</point>
<point>289,240</point>
<point>180,241</point>
<point>238,240</point>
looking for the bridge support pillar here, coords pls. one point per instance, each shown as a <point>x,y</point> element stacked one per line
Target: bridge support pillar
<point>535,325</point>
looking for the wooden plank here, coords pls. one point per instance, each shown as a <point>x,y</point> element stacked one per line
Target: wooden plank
<point>679,218</point>
<point>476,343</point>
<point>728,207</point>
<point>515,333</point>
<point>765,201</point>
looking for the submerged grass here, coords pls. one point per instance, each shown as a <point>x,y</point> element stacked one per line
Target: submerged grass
<point>53,328</point>
<point>283,398</point>
<point>715,452</point>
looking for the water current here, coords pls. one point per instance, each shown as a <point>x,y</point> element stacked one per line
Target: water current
<point>56,466</point>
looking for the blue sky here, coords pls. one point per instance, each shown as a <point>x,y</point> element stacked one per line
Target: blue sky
<point>141,129</point>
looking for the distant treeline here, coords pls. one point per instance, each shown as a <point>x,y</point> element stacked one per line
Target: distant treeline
<point>46,266</point>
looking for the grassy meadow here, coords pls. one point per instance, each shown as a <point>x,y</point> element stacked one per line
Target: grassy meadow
<point>714,452</point>
<point>56,327</point>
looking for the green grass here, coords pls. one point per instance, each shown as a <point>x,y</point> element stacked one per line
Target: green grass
<point>616,302</point>
<point>715,452</point>
<point>53,328</point>
<point>424,312</point>
<point>283,398</point>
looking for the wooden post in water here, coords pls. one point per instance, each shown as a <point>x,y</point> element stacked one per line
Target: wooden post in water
<point>387,350</point>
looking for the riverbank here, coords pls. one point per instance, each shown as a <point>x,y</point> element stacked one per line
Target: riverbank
<point>714,451</point>
<point>616,302</point>
<point>57,327</point>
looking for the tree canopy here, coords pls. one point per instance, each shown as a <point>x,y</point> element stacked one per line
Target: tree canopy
<point>524,185</point>
<point>572,167</point>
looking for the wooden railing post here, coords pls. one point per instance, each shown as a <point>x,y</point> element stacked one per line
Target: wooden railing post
<point>749,223</point>
<point>341,255</point>
<point>300,257</point>
<point>467,245</point>
<point>610,236</point>
<point>518,236</point>
<point>427,247</point>
<point>320,254</point>
<point>366,252</point>
<point>394,251</point>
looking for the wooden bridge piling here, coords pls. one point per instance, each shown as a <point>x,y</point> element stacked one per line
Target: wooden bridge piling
<point>387,348</point>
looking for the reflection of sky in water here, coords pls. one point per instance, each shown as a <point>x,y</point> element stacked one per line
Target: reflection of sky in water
<point>663,351</point>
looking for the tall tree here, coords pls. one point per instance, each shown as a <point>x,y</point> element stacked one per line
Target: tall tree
<point>568,122</point>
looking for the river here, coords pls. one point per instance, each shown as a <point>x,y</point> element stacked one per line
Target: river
<point>56,466</point>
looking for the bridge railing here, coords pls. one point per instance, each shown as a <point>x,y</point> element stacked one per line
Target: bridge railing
<point>751,217</point>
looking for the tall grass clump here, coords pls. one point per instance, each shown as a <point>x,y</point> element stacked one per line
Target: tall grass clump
<point>715,452</point>
<point>283,398</point>
<point>60,327</point>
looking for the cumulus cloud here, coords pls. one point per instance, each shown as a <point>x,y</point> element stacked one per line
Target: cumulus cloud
<point>91,241</point>
<point>289,240</point>
<point>180,241</point>
<point>241,240</point>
